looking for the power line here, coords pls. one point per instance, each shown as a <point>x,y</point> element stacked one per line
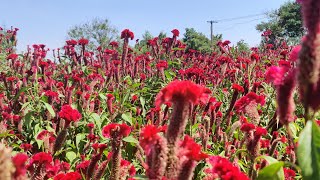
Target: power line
<point>233,26</point>
<point>241,17</point>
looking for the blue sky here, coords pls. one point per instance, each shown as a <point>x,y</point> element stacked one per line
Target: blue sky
<point>47,22</point>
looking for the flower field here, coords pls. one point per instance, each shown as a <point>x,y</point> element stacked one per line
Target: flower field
<point>169,113</point>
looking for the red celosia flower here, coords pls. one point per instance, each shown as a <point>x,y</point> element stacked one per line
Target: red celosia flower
<point>26,146</point>
<point>13,56</point>
<point>19,162</point>
<point>175,32</point>
<point>295,53</point>
<point>247,99</point>
<point>260,132</point>
<point>69,114</point>
<point>68,176</point>
<point>127,34</point>
<point>182,91</point>
<point>246,127</point>
<point>71,42</point>
<point>192,150</point>
<point>289,174</point>
<point>41,158</point>
<point>275,75</point>
<point>223,169</point>
<point>122,129</point>
<point>83,41</point>
<point>237,87</point>
<point>148,137</point>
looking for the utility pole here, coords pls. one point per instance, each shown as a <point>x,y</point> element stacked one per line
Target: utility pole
<point>211,29</point>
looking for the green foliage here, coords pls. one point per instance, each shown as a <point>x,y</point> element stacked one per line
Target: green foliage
<point>285,23</point>
<point>99,32</point>
<point>309,151</point>
<point>196,40</point>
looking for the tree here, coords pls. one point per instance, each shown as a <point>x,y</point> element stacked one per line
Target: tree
<point>196,40</point>
<point>285,22</point>
<point>99,32</point>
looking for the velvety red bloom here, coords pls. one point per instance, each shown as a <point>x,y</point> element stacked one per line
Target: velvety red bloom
<point>246,127</point>
<point>13,56</point>
<point>237,87</point>
<point>127,34</point>
<point>69,114</point>
<point>294,55</point>
<point>122,129</point>
<point>114,44</point>
<point>148,137</point>
<point>26,146</point>
<point>275,75</point>
<point>43,134</point>
<point>289,174</point>
<point>175,32</point>
<point>260,132</point>
<point>68,176</point>
<point>83,41</point>
<point>71,42</point>
<point>182,91</point>
<point>247,99</point>
<point>223,169</point>
<point>192,150</point>
<point>19,162</point>
<point>90,125</point>
<point>41,158</point>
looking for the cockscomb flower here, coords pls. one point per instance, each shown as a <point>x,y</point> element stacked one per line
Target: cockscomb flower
<point>68,176</point>
<point>247,99</point>
<point>294,55</point>
<point>148,137</point>
<point>246,127</point>
<point>175,32</point>
<point>182,91</point>
<point>83,41</point>
<point>122,129</point>
<point>13,56</point>
<point>237,87</point>
<point>126,33</point>
<point>192,150</point>
<point>41,158</point>
<point>260,132</point>
<point>223,169</point>
<point>69,114</point>
<point>275,75</point>
<point>19,161</point>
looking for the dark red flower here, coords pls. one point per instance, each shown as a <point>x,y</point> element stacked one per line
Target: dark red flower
<point>182,91</point>
<point>19,161</point>
<point>289,174</point>
<point>13,56</point>
<point>246,127</point>
<point>175,32</point>
<point>260,132</point>
<point>122,129</point>
<point>41,158</point>
<point>83,41</point>
<point>68,176</point>
<point>69,114</point>
<point>127,34</point>
<point>237,87</point>
<point>192,150</point>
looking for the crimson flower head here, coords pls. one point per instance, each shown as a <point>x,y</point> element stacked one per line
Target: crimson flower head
<point>69,114</point>
<point>13,56</point>
<point>114,44</point>
<point>127,34</point>
<point>192,150</point>
<point>237,87</point>
<point>260,132</point>
<point>275,75</point>
<point>148,137</point>
<point>83,41</point>
<point>182,91</point>
<point>68,176</point>
<point>246,127</point>
<point>41,158</point>
<point>19,162</point>
<point>122,130</point>
<point>175,32</point>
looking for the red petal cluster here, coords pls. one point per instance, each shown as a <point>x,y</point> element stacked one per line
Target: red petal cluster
<point>224,169</point>
<point>123,130</point>
<point>69,114</point>
<point>175,32</point>
<point>182,91</point>
<point>237,87</point>
<point>68,176</point>
<point>192,150</point>
<point>127,34</point>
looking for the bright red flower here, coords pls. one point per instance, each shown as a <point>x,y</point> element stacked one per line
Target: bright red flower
<point>69,114</point>
<point>223,169</point>
<point>13,56</point>
<point>127,34</point>
<point>237,87</point>
<point>19,161</point>
<point>68,176</point>
<point>83,41</point>
<point>148,137</point>
<point>246,127</point>
<point>275,75</point>
<point>41,158</point>
<point>260,132</point>
<point>182,91</point>
<point>122,129</point>
<point>175,32</point>
<point>192,150</point>
<point>289,174</point>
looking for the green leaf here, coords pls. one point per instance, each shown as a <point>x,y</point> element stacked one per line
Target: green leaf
<point>309,151</point>
<point>131,139</point>
<point>127,118</point>
<point>71,156</point>
<point>50,109</point>
<point>79,137</point>
<point>272,172</point>
<point>102,96</point>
